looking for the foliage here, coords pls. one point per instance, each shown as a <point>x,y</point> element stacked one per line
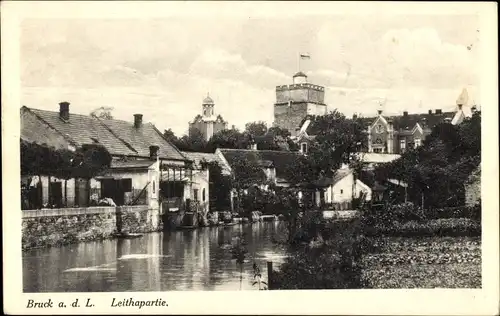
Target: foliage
<point>256,128</point>
<point>102,113</point>
<point>427,262</point>
<point>438,169</point>
<point>273,138</point>
<point>433,227</point>
<point>86,162</point>
<point>258,278</point>
<point>335,264</point>
<point>337,139</point>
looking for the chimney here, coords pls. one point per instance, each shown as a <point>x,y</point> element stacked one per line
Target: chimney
<point>460,106</point>
<point>439,111</point>
<point>153,152</point>
<point>137,120</point>
<point>430,111</point>
<point>64,110</point>
<point>379,112</point>
<point>354,116</point>
<point>405,113</point>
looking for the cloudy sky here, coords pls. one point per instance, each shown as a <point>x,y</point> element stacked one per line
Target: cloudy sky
<point>164,68</point>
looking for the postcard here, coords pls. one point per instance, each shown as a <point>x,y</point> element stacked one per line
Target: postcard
<point>250,158</point>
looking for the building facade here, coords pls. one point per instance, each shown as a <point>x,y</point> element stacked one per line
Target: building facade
<point>207,123</point>
<point>140,155</point>
<point>296,101</point>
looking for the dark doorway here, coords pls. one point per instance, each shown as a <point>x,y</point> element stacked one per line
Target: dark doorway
<point>55,198</point>
<point>111,188</point>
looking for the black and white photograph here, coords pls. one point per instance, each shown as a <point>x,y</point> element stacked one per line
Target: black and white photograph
<point>254,151</point>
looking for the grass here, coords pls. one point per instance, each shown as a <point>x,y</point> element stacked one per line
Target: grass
<point>432,262</point>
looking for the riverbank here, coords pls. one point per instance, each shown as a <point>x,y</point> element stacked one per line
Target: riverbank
<point>56,227</point>
<point>348,254</point>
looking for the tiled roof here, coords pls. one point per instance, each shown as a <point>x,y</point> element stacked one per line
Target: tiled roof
<point>328,181</point>
<point>36,131</point>
<point>282,160</point>
<point>141,138</point>
<point>377,157</point>
<point>119,137</point>
<point>198,157</point>
<point>131,164</point>
<point>407,122</point>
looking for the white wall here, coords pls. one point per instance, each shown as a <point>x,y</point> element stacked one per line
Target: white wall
<point>341,191</point>
<point>201,182</point>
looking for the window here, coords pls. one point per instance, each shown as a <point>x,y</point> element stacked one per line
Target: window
<point>303,148</point>
<point>195,194</point>
<point>154,187</point>
<point>341,191</point>
<point>377,150</point>
<point>402,144</point>
<point>417,142</point>
<point>203,195</point>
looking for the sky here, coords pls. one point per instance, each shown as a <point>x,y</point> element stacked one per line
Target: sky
<point>164,68</point>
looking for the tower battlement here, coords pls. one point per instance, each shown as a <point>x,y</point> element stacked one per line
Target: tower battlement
<point>300,86</point>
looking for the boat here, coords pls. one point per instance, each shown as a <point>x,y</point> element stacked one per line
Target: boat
<point>129,235</point>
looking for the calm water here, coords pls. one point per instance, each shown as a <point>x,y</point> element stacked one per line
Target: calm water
<point>195,260</point>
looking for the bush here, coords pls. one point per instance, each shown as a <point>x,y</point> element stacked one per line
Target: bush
<point>434,227</point>
<point>472,212</point>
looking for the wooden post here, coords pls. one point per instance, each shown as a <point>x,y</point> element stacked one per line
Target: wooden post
<point>270,284</point>
<point>65,193</point>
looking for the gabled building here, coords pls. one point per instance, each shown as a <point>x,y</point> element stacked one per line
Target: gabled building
<point>207,123</point>
<point>140,156</point>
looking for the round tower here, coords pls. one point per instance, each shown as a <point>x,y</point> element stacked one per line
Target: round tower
<point>299,77</point>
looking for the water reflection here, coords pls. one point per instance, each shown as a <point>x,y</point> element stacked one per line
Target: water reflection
<point>183,260</point>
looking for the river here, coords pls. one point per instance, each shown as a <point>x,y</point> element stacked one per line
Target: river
<point>197,260</point>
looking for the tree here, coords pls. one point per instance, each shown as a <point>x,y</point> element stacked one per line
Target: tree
<point>102,113</point>
<point>337,140</point>
<point>256,129</point>
<point>229,138</point>
<point>436,171</point>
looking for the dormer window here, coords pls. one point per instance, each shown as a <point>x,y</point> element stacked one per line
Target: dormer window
<point>303,148</point>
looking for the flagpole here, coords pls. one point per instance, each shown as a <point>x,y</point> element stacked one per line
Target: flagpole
<point>299,62</point>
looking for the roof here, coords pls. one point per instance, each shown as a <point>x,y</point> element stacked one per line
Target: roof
<point>208,100</point>
<point>329,181</point>
<point>198,157</point>
<point>139,164</point>
<point>120,138</point>
<point>281,160</point>
<point>36,131</point>
<point>299,74</point>
<point>177,176</point>
<point>408,121</point>
<point>377,157</point>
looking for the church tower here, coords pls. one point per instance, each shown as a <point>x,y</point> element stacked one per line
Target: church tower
<point>296,101</point>
<point>207,123</point>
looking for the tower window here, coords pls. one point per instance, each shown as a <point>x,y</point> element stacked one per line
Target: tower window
<point>303,148</point>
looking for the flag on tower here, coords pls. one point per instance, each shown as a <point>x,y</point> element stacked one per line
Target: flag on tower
<point>305,56</point>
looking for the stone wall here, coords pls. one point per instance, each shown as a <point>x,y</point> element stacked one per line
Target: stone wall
<point>53,227</point>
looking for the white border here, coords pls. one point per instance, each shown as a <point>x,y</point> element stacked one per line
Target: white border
<point>368,302</point>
